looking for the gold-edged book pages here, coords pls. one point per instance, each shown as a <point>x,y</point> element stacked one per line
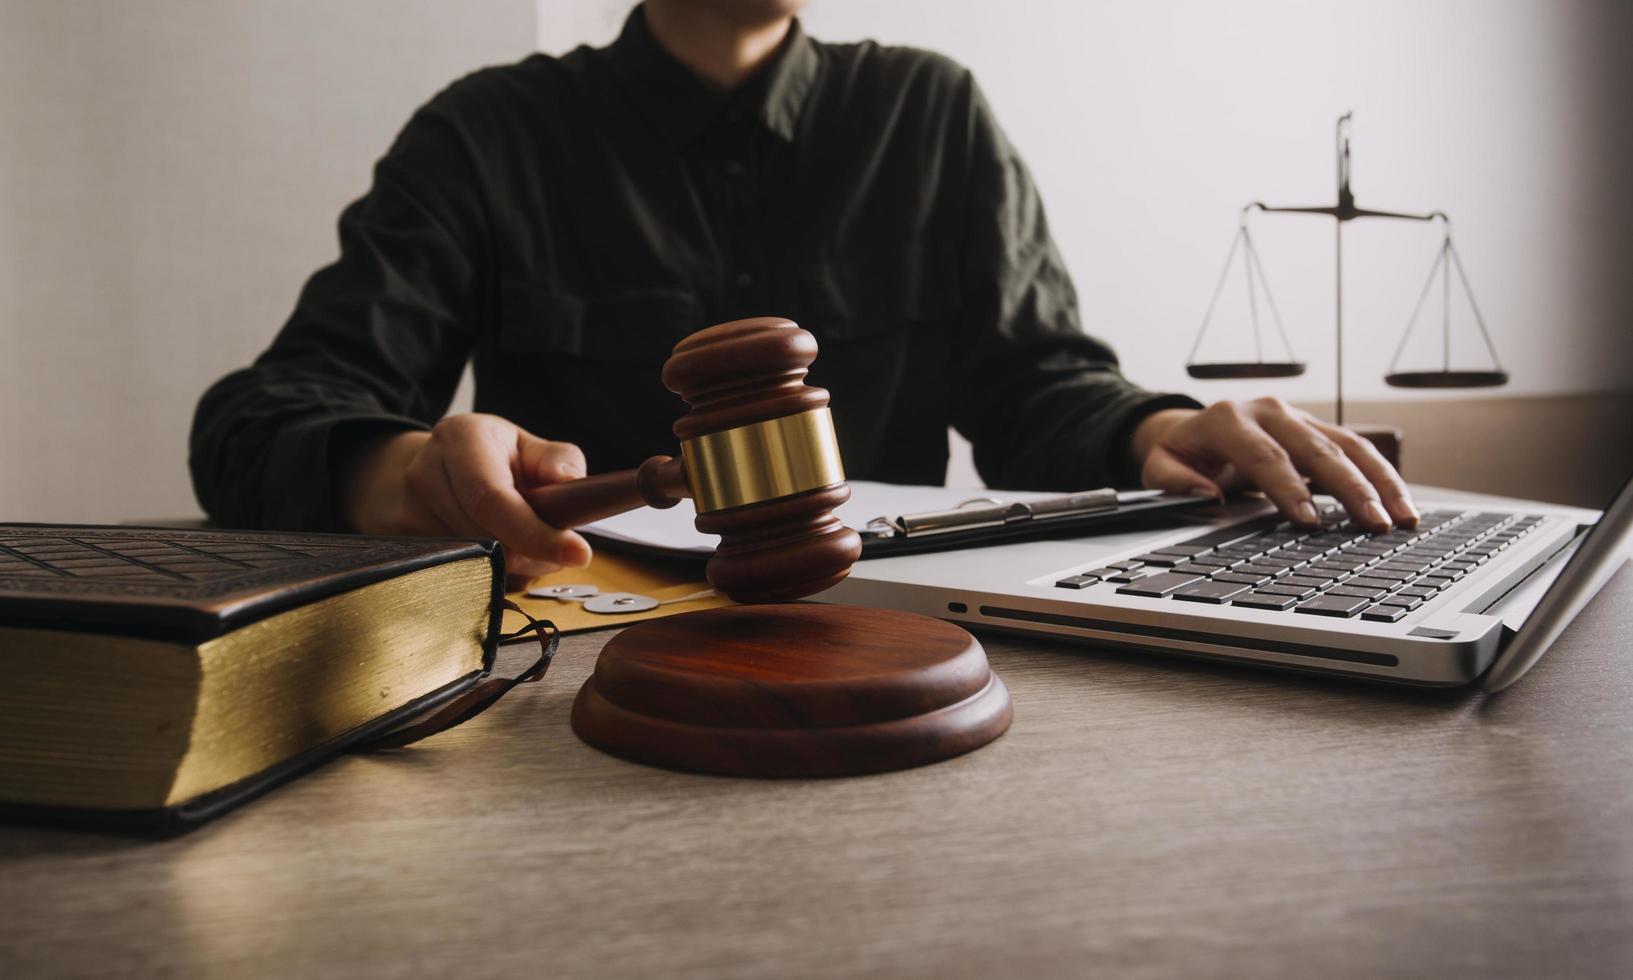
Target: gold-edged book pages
<point>115,722</point>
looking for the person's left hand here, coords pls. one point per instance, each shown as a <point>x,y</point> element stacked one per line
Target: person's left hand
<point>1280,450</point>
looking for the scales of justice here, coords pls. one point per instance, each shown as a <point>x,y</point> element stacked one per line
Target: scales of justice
<point>1345,210</point>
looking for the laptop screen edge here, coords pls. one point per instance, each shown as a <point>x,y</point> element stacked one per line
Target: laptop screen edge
<point>1601,553</point>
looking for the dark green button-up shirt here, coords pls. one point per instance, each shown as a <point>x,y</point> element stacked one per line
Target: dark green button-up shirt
<point>563,222</point>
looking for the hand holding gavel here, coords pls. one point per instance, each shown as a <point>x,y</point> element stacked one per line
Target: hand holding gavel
<point>757,446</point>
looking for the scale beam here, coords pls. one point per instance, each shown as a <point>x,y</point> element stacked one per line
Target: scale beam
<point>1350,214</point>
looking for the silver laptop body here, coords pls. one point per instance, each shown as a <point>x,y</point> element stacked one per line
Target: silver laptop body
<point>1530,569</point>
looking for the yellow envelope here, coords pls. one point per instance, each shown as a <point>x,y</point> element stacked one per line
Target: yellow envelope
<point>660,578</point>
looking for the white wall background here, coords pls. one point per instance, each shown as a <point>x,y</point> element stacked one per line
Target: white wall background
<point>170,172</point>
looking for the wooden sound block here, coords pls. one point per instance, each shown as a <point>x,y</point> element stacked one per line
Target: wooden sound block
<point>791,690</point>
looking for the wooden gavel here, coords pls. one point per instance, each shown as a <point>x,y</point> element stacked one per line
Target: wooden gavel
<point>758,455</point>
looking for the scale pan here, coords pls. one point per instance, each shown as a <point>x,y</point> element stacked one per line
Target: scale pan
<point>1446,379</point>
<point>1246,369</point>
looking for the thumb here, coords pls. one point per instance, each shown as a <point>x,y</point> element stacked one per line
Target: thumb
<point>543,461</point>
<point>1165,471</point>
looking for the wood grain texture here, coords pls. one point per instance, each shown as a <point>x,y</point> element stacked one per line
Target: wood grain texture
<point>659,482</point>
<point>1142,817</point>
<point>792,690</point>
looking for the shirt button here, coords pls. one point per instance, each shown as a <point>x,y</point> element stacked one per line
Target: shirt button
<point>745,279</point>
<point>735,169</point>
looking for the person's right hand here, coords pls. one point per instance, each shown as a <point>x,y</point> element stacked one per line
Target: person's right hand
<point>465,478</point>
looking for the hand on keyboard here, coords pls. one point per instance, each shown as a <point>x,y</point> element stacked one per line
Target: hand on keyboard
<point>1278,449</point>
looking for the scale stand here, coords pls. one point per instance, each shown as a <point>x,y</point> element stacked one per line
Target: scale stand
<point>1343,211</point>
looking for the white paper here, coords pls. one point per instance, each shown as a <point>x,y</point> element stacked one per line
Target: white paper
<point>671,530</point>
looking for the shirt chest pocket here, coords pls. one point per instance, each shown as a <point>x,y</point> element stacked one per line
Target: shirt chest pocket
<point>877,294</point>
<point>633,325</point>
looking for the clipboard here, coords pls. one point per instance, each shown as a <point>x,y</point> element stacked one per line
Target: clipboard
<point>989,521</point>
<point>917,519</point>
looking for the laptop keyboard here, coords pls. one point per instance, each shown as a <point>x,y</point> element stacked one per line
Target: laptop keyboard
<point>1339,570</point>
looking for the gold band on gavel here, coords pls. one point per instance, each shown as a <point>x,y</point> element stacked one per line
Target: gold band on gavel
<point>763,461</point>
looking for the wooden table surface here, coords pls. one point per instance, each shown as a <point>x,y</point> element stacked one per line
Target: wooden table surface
<point>1143,817</point>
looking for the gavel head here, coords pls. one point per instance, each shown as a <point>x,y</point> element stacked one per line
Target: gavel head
<point>761,460</point>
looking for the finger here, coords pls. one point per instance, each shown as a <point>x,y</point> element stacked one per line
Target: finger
<point>543,461</point>
<point>486,489</point>
<point>1228,432</point>
<point>433,494</point>
<point>1165,471</point>
<point>1397,499</point>
<point>1325,461</point>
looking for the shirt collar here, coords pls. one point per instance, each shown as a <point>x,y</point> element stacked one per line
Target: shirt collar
<point>682,106</point>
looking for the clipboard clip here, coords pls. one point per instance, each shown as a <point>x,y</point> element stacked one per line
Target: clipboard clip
<point>982,512</point>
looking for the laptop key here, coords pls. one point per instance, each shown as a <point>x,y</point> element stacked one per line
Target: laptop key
<point>1333,605</point>
<point>1306,552</point>
<point>1186,550</point>
<point>1330,571</point>
<point>1276,559</point>
<point>1242,578</point>
<point>1254,568</point>
<point>1265,600</point>
<point>1343,560</point>
<point>1357,592</point>
<point>1077,582</point>
<point>1117,575</point>
<point>1153,558</point>
<point>1192,568</point>
<point>1157,586</point>
<point>1403,570</point>
<point>1404,601</point>
<point>1293,591</point>
<point>1309,581</point>
<point>1372,582</point>
<point>1217,593</point>
<point>1384,614</point>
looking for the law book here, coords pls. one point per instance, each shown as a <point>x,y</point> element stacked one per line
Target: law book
<point>152,678</point>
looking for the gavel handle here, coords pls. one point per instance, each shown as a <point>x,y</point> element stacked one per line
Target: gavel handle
<point>659,482</point>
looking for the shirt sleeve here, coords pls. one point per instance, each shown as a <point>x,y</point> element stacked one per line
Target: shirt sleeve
<point>1044,405</point>
<point>376,343</point>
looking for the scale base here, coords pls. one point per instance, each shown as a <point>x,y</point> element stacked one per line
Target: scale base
<point>793,690</point>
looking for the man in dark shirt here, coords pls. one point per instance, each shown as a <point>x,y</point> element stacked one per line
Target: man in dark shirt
<point>563,222</point>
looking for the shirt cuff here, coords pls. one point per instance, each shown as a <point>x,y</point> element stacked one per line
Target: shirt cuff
<point>1120,462</point>
<point>299,491</point>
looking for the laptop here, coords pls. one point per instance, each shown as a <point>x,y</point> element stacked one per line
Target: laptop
<point>1474,593</point>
